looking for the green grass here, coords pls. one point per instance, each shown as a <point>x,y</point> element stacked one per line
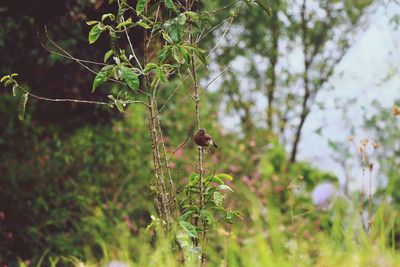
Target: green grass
<point>266,237</point>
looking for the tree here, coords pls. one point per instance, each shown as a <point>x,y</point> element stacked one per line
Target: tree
<point>287,60</point>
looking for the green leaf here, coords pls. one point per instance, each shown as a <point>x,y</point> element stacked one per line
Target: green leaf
<point>175,31</point>
<point>170,4</point>
<point>125,23</point>
<point>13,75</point>
<point>130,78</point>
<point>189,228</point>
<point>143,24</point>
<point>224,187</point>
<point>185,53</point>
<point>94,34</point>
<point>119,106</point>
<point>163,54</point>
<point>264,6</point>
<point>92,22</point>
<point>140,6</point>
<point>229,216</point>
<point>176,54</point>
<point>224,176</point>
<point>214,179</point>
<point>201,56</point>
<point>15,89</point>
<point>193,179</point>
<point>185,216</point>
<point>149,67</point>
<point>108,55</point>
<point>8,82</point>
<point>4,78</point>
<point>22,106</point>
<point>192,14</point>
<point>160,74</point>
<point>102,76</point>
<point>206,215</point>
<point>182,19</point>
<point>218,199</point>
<point>167,38</point>
<point>108,15</point>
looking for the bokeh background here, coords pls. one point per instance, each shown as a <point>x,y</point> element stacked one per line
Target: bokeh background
<point>74,178</point>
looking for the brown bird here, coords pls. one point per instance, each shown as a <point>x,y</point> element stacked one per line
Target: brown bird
<point>202,139</point>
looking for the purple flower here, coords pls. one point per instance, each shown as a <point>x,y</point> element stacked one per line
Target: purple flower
<point>323,195</point>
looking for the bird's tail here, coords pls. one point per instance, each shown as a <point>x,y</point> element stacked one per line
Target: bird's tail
<point>214,144</point>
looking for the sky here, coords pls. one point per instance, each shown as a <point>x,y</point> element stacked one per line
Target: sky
<point>360,76</point>
<point>359,79</point>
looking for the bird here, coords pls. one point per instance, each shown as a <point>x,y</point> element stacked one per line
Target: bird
<point>202,139</point>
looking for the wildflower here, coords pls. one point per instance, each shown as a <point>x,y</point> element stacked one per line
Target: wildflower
<point>323,195</point>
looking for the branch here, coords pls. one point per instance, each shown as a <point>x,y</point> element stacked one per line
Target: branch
<point>129,39</point>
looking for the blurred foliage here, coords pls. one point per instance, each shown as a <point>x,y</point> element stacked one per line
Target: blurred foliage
<point>62,194</point>
<point>21,34</point>
<point>74,184</point>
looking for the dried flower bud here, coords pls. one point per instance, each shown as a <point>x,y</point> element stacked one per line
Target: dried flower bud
<point>364,142</point>
<point>370,166</point>
<point>396,111</point>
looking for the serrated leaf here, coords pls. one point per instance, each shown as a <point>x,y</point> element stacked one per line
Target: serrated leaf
<point>224,176</point>
<point>189,228</point>
<point>218,199</point>
<point>22,106</point>
<point>108,55</point>
<point>94,34</point>
<point>130,78</point>
<point>102,76</point>
<point>140,6</point>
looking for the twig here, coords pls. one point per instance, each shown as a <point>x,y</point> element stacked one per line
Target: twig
<point>215,78</point>
<point>129,40</point>
<point>179,147</point>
